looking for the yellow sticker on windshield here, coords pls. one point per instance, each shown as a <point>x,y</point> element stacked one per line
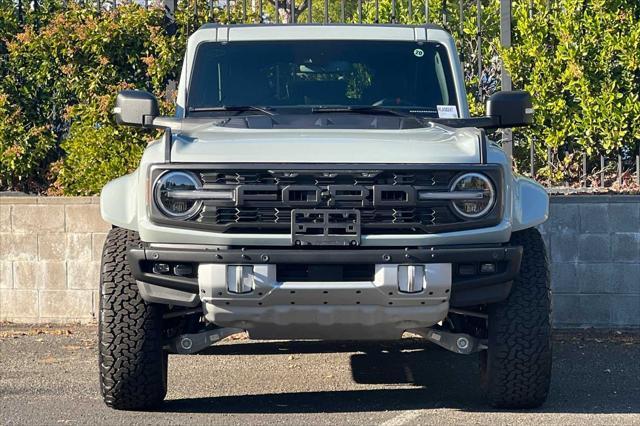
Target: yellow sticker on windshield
<point>418,53</point>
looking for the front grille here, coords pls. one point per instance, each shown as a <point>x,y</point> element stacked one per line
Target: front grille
<point>385,196</point>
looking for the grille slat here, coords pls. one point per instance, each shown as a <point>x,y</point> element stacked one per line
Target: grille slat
<point>417,178</point>
<point>272,215</point>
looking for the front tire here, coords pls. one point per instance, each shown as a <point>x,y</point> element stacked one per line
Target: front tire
<point>133,364</point>
<point>516,367</point>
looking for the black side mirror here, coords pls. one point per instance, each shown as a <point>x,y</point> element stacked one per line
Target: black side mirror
<point>510,109</point>
<point>136,108</point>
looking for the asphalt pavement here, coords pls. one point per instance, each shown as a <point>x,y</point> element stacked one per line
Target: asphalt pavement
<point>49,376</point>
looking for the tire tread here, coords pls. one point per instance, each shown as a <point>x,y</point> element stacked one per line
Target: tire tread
<point>517,365</point>
<point>131,359</point>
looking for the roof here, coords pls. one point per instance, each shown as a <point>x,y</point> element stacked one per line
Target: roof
<point>216,25</point>
<point>274,32</point>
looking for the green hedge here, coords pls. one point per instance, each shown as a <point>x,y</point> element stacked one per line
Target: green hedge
<point>581,62</point>
<point>61,69</point>
<point>58,88</point>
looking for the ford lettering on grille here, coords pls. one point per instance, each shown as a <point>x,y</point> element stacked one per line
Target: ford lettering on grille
<point>347,195</point>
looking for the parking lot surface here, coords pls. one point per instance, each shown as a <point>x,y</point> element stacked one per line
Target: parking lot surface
<point>49,376</point>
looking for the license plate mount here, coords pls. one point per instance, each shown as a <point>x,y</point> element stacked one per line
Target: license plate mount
<point>325,227</point>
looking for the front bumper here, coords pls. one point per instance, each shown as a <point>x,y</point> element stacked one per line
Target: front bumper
<point>466,290</point>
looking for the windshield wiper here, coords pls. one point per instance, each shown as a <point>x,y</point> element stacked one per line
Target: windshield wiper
<point>364,110</point>
<point>237,108</point>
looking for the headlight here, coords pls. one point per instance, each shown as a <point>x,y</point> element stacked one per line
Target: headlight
<point>481,203</point>
<point>166,194</point>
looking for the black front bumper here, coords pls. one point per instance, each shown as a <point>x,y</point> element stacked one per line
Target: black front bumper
<point>466,290</point>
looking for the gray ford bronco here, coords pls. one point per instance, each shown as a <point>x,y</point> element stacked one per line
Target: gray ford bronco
<point>324,182</point>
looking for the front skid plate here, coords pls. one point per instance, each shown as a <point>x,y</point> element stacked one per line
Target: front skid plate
<point>325,310</point>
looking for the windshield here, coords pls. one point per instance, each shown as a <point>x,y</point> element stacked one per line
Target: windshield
<point>300,75</point>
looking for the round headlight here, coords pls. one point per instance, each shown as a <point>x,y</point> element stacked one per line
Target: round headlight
<point>170,198</point>
<point>481,195</point>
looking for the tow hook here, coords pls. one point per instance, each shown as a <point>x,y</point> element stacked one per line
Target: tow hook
<point>191,343</point>
<point>460,343</point>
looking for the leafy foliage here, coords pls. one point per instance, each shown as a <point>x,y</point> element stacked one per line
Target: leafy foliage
<point>96,149</point>
<point>23,145</point>
<point>580,60</point>
<point>60,81</point>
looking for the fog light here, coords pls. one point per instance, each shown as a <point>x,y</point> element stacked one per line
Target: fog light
<point>467,269</point>
<point>410,278</point>
<point>239,279</point>
<point>487,268</point>
<point>182,270</point>
<point>161,268</point>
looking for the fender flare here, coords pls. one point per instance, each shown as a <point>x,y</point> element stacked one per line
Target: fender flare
<point>530,204</point>
<point>118,202</point>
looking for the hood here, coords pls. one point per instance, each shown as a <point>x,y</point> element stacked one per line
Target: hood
<point>435,144</point>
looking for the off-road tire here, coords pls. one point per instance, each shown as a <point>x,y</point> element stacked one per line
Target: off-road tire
<point>516,367</point>
<point>133,365</point>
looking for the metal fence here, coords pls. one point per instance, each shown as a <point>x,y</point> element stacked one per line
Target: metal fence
<point>615,170</point>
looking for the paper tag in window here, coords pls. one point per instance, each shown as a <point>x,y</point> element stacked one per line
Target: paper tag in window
<point>447,111</point>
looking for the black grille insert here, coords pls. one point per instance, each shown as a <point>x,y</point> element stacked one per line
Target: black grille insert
<point>324,273</point>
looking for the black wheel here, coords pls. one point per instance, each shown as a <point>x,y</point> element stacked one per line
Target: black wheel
<point>133,365</point>
<point>516,367</point>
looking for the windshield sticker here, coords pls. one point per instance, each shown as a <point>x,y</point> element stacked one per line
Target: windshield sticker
<point>447,111</point>
<point>418,53</point>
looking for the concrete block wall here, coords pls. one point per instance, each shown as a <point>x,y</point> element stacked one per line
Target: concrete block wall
<point>594,248</point>
<point>50,250</point>
<point>50,259</point>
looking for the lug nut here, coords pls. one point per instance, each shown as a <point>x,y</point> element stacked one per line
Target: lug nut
<point>265,258</point>
<point>462,343</point>
<point>386,257</point>
<point>186,343</point>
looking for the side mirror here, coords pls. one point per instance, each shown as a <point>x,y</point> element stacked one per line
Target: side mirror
<point>510,109</point>
<point>136,108</point>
